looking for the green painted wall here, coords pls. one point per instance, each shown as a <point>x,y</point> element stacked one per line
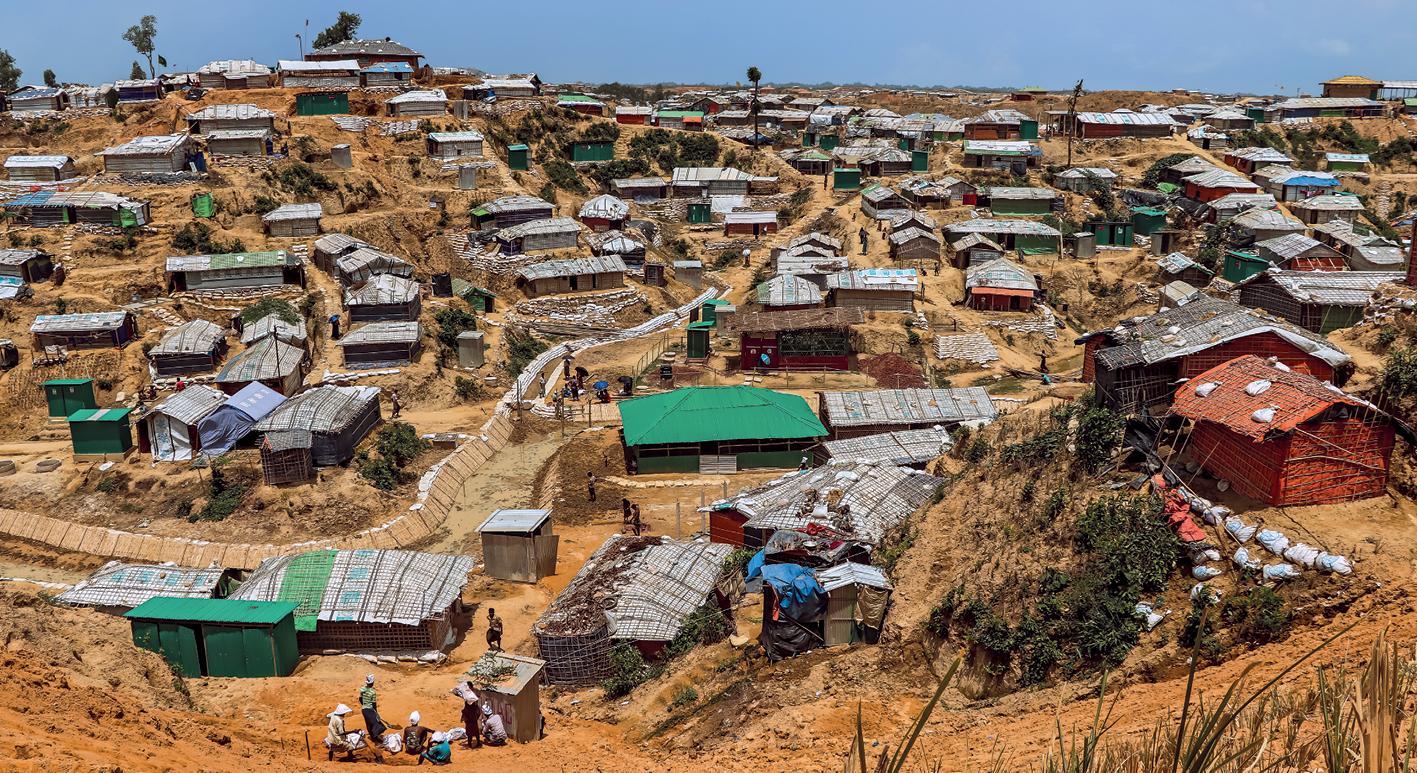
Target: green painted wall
<point>1345,166</point>
<point>698,343</point>
<point>517,157</point>
<point>920,161</point>
<point>101,437</point>
<point>1028,130</point>
<point>321,104</point>
<point>1238,269</point>
<point>659,464</point>
<point>592,151</point>
<point>846,179</point>
<point>226,651</point>
<point>830,141</point>
<point>775,459</point>
<point>1339,317</point>
<point>700,213</point>
<point>68,395</point>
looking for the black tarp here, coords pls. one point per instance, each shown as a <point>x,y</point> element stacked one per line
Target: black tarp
<point>786,636</point>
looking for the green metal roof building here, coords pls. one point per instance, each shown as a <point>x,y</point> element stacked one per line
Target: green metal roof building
<point>1148,220</point>
<point>219,637</point>
<point>100,433</point>
<point>718,429</point>
<point>591,150</point>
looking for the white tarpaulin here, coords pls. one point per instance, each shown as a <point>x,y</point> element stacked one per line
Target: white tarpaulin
<point>170,439</point>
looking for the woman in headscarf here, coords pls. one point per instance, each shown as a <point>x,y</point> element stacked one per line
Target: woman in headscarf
<point>337,736</point>
<point>369,707</point>
<point>440,753</point>
<point>415,736</point>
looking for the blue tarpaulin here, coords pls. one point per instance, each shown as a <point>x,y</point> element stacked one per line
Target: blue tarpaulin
<point>802,596</point>
<point>225,426</point>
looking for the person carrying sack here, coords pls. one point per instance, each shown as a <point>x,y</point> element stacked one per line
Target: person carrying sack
<point>471,714</point>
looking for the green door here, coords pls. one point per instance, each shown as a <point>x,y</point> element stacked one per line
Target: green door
<point>1028,130</point>
<point>903,143</point>
<point>830,141</point>
<point>179,645</point>
<point>698,340</point>
<point>700,213</point>
<point>516,157</point>
<point>226,654</point>
<point>808,139</point>
<point>286,649</point>
<point>920,161</point>
<point>260,652</point>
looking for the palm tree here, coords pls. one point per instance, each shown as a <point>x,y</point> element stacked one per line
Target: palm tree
<point>754,75</point>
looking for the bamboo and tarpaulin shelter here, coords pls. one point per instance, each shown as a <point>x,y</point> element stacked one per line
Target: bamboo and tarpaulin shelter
<point>267,361</point>
<point>786,292</point>
<point>633,591</point>
<point>572,274</point>
<point>338,418</point>
<point>804,339</point>
<point>857,597</point>
<point>383,298</point>
<point>169,431</point>
<point>875,289</point>
<point>519,545</point>
<point>553,233</point>
<point>843,500</point>
<point>149,155</point>
<point>192,347</point>
<point>365,263</point>
<point>1284,437</point>
<point>1000,285</point>
<point>332,246</point>
<point>100,330</point>
<point>630,246</point>
<point>45,209</point>
<point>1137,364</point>
<point>715,430</point>
<point>381,344</point>
<point>117,587</point>
<point>40,169</point>
<point>1025,236</point>
<point>855,413</point>
<point>294,220</point>
<point>364,600</point>
<point>1317,301</point>
<point>908,448</point>
<point>233,420</point>
<point>20,267</point>
<point>272,326</point>
<point>235,271</point>
<point>285,457</point>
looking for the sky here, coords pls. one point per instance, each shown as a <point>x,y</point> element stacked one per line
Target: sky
<point>1252,46</point>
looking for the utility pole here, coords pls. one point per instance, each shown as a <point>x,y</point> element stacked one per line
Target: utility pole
<point>1072,119</point>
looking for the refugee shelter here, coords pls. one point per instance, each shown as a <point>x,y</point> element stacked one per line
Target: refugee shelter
<point>239,271</point>
<point>1137,364</point>
<point>382,344</point>
<point>453,145</point>
<point>430,102</point>
<point>857,597</point>
<point>1249,160</point>
<point>1085,179</point>
<point>382,298</point>
<point>644,189</point>
<point>714,430</point>
<point>272,326</point>
<point>1286,438</point>
<point>215,118</point>
<point>333,246</point>
<point>366,52</point>
<point>630,247</point>
<point>193,347</point>
<point>1177,267</point>
<point>35,98</point>
<point>1298,185</point>
<point>846,500</point>
<point>1024,236</point>
<point>519,545</point>
<point>1014,157</point>
<point>366,263</point>
<point>1264,224</point>
<point>907,448</point>
<point>786,292</point>
<point>100,330</point>
<point>269,362</point>
<point>116,587</point>
<point>1327,208</point>
<point>233,74</point>
<point>1000,285</point>
<point>944,192</point>
<point>875,289</point>
<point>1324,107</point>
<point>1317,301</point>
<point>1112,125</point>
<point>1346,162</point>
<point>364,600</point>
<point>294,221</point>
<point>21,267</point>
<point>749,223</point>
<point>337,418</point>
<point>218,637</point>
<point>854,413</point>
<point>1017,201</point>
<point>881,203</point>
<point>806,339</point>
<point>604,213</point>
<point>386,74</point>
<point>144,90</point>
<point>547,234</point>
<point>632,592</point>
<point>40,169</point>
<point>169,430</point>
<point>148,155</point>
<point>234,419</point>
<point>1297,252</point>
<point>1211,185</point>
<point>572,275</point>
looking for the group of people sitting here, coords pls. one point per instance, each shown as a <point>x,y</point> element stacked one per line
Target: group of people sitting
<point>480,725</point>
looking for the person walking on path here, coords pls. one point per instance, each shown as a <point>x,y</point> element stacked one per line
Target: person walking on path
<point>369,707</point>
<point>590,485</point>
<point>394,398</point>
<point>864,237</point>
<point>471,714</point>
<point>494,629</point>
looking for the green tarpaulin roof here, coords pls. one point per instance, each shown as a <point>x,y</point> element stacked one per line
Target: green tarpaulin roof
<point>212,610</point>
<point>697,414</point>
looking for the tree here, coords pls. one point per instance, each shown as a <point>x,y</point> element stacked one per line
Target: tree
<point>755,75</point>
<point>343,29</point>
<point>9,73</point>
<point>137,74</point>
<point>50,80</point>
<point>141,36</point>
<point>1073,120</point>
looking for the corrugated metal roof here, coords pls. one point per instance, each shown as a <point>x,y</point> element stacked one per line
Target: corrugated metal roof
<point>595,264</point>
<point>366,47</point>
<point>64,323</point>
<point>976,240</point>
<point>367,262</point>
<point>184,263</point>
<point>1132,119</point>
<point>13,257</point>
<point>1000,273</point>
<point>1295,398</point>
<point>829,241</point>
<point>640,182</point>
<point>1219,178</point>
<point>698,414</point>
<point>116,584</point>
<point>1020,194</point>
<point>515,204</point>
<point>851,573</point>
<point>789,263</point>
<point>1293,245</point>
<point>383,332</point>
<point>788,290</point>
<point>37,162</point>
<point>1082,172</point>
<point>903,447</point>
<point>991,226</point>
<point>467,136</point>
<point>1176,262</point>
<point>192,404</point>
<point>196,337</point>
<point>1385,255</point>
<point>1322,102</point>
<point>907,234</point>
<point>265,359</point>
<point>345,65</point>
<point>428,95</point>
<point>396,67</point>
<point>1260,155</point>
<point>1268,219</point>
<point>294,212</point>
<point>337,243</point>
<point>743,218</point>
<point>708,174</point>
<point>323,410</point>
<point>1331,288</point>
<point>864,408</point>
<point>605,206</point>
<point>241,112</point>
<point>36,92</point>
<point>1331,202</point>
<point>382,290</point>
<point>1245,201</point>
<point>876,193</point>
<point>514,521</point>
<point>233,611</point>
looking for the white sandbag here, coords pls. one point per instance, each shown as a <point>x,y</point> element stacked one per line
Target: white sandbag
<point>1273,541</point>
<point>1328,562</point>
<point>1205,389</point>
<point>1212,593</point>
<point>1142,609</point>
<point>1154,619</point>
<point>1279,572</point>
<point>1212,555</point>
<point>1243,559</point>
<point>1303,555</point>
<point>1221,512</point>
<point>1205,572</point>
<point>1281,366</point>
<point>1263,416</point>
<point>1256,388</point>
<point>393,742</point>
<point>1239,530</point>
<point>354,738</point>
<point>456,734</point>
<point>1199,505</point>
<point>1210,517</point>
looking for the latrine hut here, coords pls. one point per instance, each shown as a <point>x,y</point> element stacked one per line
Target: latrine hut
<point>383,298</point>
<point>854,413</point>
<point>285,457</point>
<point>382,343</point>
<point>198,346</point>
<point>365,600</point>
<point>40,169</point>
<point>1297,442</point>
<point>269,362</point>
<point>573,275</point>
<point>874,289</point>
<point>337,418</point>
<point>148,155</point>
<point>294,221</point>
<point>100,330</point>
<point>519,545</point>
<point>632,592</point>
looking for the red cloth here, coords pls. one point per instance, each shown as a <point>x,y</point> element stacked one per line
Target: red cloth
<point>1178,516</point>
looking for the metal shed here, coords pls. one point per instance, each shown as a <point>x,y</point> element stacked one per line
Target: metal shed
<point>219,637</point>
<point>382,344</point>
<point>40,168</point>
<point>868,412</point>
<point>451,145</point>
<point>516,698</point>
<point>519,545</point>
<point>100,434</point>
<point>100,330</point>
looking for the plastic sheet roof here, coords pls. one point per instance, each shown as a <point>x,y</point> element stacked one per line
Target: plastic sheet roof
<point>550,225</point>
<point>63,323</point>
<point>230,112</point>
<point>147,146</point>
<point>1000,273</point>
<point>815,236</point>
<point>184,263</point>
<point>1176,262</point>
<point>366,47</point>
<point>369,586</point>
<point>602,264</point>
<point>891,279</point>
<point>1331,202</point>
<point>430,95</point>
<point>788,290</point>
<point>905,447</point>
<point>851,573</point>
<point>1294,245</point>
<point>192,404</point>
<point>46,162</point>
<point>265,359</point>
<point>1044,194</point>
<point>13,257</point>
<point>836,317</point>
<point>274,325</point>
<point>1268,219</point>
<point>383,332</point>
<point>196,337</point>
<point>294,212</point>
<point>1133,119</point>
<point>382,290</point>
<point>990,226</point>
<point>1296,397</point>
<point>323,410</point>
<point>605,206</point>
<point>1330,288</point>
<point>118,584</point>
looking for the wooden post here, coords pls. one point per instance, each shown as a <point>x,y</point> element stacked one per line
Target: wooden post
<point>677,534</point>
<point>725,489</point>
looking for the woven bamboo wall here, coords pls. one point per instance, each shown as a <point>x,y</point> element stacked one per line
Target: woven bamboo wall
<point>410,527</point>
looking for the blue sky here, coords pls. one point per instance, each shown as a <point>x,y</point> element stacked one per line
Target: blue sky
<point>1245,45</point>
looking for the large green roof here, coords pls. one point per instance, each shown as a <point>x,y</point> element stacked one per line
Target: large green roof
<point>697,414</point>
<point>213,610</point>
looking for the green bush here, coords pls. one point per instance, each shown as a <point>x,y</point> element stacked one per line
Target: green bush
<point>263,205</point>
<point>1387,336</point>
<point>196,239</point>
<point>451,324</point>
<point>628,669</point>
<point>467,389</point>
<point>683,697</point>
<point>400,443</point>
<point>1098,434</point>
<point>977,451</point>
<point>223,496</point>
<point>1259,615</point>
<point>265,307</point>
<point>1399,375</point>
<point>564,176</point>
<point>300,179</point>
<point>108,485</point>
<point>1152,176</point>
<point>522,348</point>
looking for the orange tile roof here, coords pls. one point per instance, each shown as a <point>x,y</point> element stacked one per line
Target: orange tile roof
<point>1297,398</point>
